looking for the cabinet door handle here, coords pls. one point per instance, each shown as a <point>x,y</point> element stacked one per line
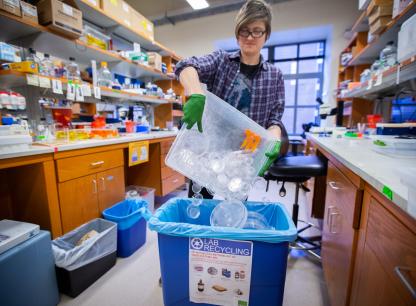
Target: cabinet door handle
<point>94,182</point>
<point>331,223</point>
<point>175,181</point>
<point>404,280</point>
<point>333,185</point>
<point>97,163</point>
<point>329,214</point>
<point>103,183</point>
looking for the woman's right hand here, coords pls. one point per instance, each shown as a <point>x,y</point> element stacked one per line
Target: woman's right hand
<point>193,111</point>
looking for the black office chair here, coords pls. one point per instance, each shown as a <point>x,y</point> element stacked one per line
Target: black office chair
<point>298,170</point>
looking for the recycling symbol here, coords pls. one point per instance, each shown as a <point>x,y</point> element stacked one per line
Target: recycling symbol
<point>197,243</point>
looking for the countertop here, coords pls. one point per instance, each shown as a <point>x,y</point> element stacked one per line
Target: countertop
<point>42,149</point>
<point>376,169</point>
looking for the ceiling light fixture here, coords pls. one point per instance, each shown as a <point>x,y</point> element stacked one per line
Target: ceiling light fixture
<point>198,4</point>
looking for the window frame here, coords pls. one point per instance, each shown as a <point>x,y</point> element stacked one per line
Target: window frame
<point>297,76</point>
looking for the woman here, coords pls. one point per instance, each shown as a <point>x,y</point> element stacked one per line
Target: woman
<point>244,79</point>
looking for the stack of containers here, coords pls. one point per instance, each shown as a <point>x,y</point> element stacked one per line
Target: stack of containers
<point>227,156</point>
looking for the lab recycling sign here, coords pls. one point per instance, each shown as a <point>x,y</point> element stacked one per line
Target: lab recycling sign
<point>220,271</point>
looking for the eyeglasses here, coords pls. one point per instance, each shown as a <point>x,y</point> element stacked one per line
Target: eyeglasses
<point>254,34</point>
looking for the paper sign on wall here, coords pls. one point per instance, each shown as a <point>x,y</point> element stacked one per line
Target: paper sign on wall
<point>220,271</point>
<point>138,152</point>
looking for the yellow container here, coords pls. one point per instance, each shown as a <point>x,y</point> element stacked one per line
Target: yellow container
<point>28,66</point>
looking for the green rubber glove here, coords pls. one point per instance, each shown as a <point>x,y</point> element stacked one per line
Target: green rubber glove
<point>193,110</point>
<point>271,157</point>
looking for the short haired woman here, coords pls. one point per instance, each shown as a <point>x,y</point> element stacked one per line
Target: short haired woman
<point>244,79</point>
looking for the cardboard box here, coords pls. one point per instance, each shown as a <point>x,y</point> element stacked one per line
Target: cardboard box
<point>93,3</point>
<point>375,3</point>
<point>63,17</point>
<point>9,53</point>
<point>155,60</point>
<point>117,9</point>
<point>399,6</point>
<point>380,11</point>
<point>143,25</point>
<point>379,25</point>
<point>11,6</point>
<point>29,12</point>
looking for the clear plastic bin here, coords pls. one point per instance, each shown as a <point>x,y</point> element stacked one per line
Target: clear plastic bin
<point>407,39</point>
<point>145,193</point>
<point>95,38</point>
<point>225,130</point>
<point>395,147</point>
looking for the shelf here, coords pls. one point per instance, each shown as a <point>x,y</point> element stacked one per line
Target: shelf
<point>28,34</point>
<point>100,18</point>
<point>361,25</point>
<point>390,33</point>
<point>11,79</point>
<point>389,82</point>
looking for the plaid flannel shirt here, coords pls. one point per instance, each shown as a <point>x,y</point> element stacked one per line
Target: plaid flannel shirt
<point>219,71</point>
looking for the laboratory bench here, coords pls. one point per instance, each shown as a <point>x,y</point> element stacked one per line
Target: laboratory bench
<point>369,226</point>
<point>63,186</point>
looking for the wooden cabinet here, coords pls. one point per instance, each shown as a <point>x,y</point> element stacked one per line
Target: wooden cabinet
<point>79,201</point>
<point>385,272</point>
<point>343,198</point>
<point>88,184</point>
<point>111,187</point>
<point>155,173</point>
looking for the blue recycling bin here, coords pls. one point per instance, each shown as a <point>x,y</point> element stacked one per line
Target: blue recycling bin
<point>176,231</point>
<point>131,225</point>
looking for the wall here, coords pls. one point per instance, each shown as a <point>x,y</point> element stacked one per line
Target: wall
<point>200,36</point>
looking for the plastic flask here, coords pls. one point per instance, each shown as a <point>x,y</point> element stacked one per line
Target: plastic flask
<point>72,70</point>
<point>388,56</point>
<point>46,66</point>
<point>104,76</point>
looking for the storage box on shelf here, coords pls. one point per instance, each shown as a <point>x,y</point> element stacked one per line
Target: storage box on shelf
<point>63,17</point>
<point>11,6</point>
<point>29,12</point>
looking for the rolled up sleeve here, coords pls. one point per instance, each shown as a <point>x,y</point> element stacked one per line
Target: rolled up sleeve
<point>206,65</point>
<point>278,107</point>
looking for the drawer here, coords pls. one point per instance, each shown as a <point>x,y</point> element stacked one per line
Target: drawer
<point>167,172</point>
<point>394,245</point>
<point>343,195</point>
<point>78,166</point>
<point>171,183</point>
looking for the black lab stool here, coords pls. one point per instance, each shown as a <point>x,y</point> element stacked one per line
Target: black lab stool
<point>298,169</point>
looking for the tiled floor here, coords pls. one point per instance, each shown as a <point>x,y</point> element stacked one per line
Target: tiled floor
<point>134,280</point>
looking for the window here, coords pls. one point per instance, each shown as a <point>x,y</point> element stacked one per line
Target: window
<point>302,65</point>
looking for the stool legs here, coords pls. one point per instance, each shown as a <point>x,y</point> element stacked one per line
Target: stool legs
<point>295,211</point>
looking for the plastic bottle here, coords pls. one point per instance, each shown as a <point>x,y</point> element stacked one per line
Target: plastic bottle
<point>104,76</point>
<point>388,56</point>
<point>72,70</point>
<point>46,66</point>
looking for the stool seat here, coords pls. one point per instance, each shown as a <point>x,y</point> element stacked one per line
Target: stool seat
<point>297,166</point>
